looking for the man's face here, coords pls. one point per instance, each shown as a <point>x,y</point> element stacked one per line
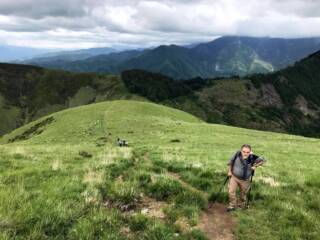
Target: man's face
<point>245,152</point>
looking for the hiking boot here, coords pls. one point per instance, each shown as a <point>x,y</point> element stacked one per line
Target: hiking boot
<point>243,207</point>
<point>229,209</point>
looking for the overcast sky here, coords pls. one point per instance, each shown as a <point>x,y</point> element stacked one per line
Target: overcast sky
<point>144,23</point>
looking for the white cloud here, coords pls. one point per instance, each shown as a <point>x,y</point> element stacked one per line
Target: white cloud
<point>143,23</point>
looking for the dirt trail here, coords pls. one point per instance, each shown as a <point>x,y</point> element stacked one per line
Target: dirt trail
<point>186,185</point>
<point>216,223</point>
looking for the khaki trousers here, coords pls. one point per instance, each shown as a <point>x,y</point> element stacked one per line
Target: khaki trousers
<point>244,186</point>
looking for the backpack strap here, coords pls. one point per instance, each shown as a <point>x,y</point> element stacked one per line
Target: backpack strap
<point>234,159</point>
<point>246,164</point>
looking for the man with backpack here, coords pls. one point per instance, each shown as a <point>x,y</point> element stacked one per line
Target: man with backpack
<point>241,168</point>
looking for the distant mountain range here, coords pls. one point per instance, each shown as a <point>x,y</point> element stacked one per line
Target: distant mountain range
<point>14,53</point>
<point>284,101</point>
<point>225,56</point>
<point>25,54</point>
<point>73,55</point>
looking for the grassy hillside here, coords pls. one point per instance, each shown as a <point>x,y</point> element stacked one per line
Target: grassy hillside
<point>29,92</point>
<point>64,177</point>
<point>286,101</point>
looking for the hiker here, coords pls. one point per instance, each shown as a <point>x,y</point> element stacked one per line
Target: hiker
<point>241,167</point>
<point>122,142</point>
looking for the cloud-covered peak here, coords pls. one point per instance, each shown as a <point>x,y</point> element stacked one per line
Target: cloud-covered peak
<point>143,23</point>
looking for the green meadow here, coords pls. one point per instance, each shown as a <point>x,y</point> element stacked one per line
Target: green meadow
<point>63,176</point>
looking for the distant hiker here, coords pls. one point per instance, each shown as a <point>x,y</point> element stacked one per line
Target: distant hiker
<point>122,142</point>
<point>241,167</point>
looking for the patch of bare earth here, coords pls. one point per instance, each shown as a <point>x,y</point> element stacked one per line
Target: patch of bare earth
<point>147,206</point>
<point>152,208</point>
<point>216,223</point>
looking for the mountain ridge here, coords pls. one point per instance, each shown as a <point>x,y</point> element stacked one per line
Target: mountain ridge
<point>225,56</point>
<point>284,101</point>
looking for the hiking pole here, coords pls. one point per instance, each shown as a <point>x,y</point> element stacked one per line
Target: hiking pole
<point>248,197</point>
<point>224,183</point>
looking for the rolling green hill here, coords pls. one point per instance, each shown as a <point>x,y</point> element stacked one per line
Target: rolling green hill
<point>64,177</point>
<point>285,101</point>
<point>29,92</point>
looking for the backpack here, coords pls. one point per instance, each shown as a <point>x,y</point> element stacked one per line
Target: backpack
<point>250,160</point>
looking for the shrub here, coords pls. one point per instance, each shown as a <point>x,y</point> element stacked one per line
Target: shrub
<point>124,192</point>
<point>191,198</point>
<point>143,179</point>
<point>163,188</point>
<point>138,222</point>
